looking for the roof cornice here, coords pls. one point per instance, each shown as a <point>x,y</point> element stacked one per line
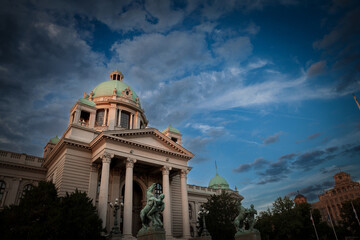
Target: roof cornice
<point>113,136</point>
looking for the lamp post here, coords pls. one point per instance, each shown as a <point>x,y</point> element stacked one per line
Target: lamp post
<point>115,231</point>
<point>203,212</point>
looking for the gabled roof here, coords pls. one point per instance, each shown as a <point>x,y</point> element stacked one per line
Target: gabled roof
<point>123,136</point>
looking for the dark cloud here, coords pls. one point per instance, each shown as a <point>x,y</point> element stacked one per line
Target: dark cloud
<point>289,156</point>
<point>310,137</point>
<point>313,136</point>
<point>272,139</point>
<point>311,192</point>
<point>352,151</point>
<point>308,160</point>
<point>271,179</point>
<point>275,172</point>
<point>341,46</point>
<point>331,149</point>
<point>242,168</point>
<point>257,164</point>
<point>45,65</point>
<point>316,68</point>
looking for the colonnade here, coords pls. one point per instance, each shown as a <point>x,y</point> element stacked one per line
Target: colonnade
<point>128,198</point>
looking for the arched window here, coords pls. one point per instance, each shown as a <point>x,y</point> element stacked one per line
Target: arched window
<point>26,188</point>
<point>2,191</point>
<point>158,190</point>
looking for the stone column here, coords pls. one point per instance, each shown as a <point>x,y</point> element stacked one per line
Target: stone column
<point>128,201</point>
<point>166,191</point>
<point>112,116</point>
<point>104,187</point>
<point>105,117</point>
<point>14,190</point>
<point>93,182</point>
<point>131,121</point>
<point>77,116</point>
<point>185,205</point>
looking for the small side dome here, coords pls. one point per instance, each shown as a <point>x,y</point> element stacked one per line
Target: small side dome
<point>299,198</point>
<point>54,140</point>
<point>170,129</point>
<point>218,182</point>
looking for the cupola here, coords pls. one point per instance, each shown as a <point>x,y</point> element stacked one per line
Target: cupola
<point>173,134</point>
<point>116,75</point>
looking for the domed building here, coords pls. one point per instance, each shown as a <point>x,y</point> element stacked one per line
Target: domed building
<point>299,198</point>
<point>109,151</point>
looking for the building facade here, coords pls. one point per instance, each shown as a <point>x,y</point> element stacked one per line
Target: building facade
<point>331,200</point>
<point>109,152</point>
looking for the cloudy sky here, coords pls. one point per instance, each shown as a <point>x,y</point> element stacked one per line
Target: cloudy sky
<point>264,87</point>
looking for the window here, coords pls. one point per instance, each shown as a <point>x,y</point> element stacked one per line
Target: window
<point>84,118</point>
<point>100,113</point>
<point>2,191</point>
<point>174,139</point>
<point>158,190</point>
<point>26,188</point>
<point>125,120</point>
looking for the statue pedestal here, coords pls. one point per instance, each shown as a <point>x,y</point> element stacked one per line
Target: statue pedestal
<point>248,236</point>
<point>151,234</point>
<point>202,238</point>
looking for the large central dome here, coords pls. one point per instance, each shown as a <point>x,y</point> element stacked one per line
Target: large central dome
<point>107,88</point>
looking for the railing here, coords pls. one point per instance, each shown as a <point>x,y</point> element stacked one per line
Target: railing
<point>21,157</point>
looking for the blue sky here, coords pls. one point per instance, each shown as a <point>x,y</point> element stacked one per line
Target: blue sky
<point>264,88</point>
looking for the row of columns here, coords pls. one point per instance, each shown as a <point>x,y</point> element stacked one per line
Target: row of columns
<point>128,198</point>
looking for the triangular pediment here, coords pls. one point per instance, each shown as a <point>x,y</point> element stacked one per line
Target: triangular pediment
<point>150,137</point>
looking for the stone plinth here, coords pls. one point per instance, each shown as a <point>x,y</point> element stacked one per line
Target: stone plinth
<point>151,234</point>
<point>248,236</point>
<point>202,238</point>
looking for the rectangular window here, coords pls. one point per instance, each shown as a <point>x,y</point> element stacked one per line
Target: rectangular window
<point>84,118</point>
<point>125,120</point>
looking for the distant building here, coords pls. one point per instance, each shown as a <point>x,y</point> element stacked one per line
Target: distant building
<point>345,190</point>
<point>299,198</point>
<point>109,152</point>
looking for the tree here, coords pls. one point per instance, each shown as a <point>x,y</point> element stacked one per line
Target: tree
<point>222,212</point>
<point>41,214</point>
<point>349,220</point>
<point>287,221</point>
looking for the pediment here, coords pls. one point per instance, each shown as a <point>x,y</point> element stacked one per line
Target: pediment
<point>151,137</point>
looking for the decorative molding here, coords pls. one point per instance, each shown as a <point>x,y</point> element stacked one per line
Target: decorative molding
<point>184,172</point>
<point>106,157</point>
<point>166,170</point>
<point>130,162</point>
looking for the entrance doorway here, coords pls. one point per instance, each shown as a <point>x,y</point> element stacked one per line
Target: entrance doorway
<point>136,208</point>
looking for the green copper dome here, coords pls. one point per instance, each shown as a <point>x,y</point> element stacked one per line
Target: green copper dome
<point>218,182</point>
<point>107,89</point>
<point>54,140</point>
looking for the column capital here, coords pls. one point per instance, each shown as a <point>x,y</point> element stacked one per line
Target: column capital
<point>166,170</point>
<point>130,162</point>
<point>184,172</point>
<point>106,157</point>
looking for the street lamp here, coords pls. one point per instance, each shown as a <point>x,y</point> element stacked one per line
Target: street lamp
<point>203,212</point>
<point>115,231</point>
